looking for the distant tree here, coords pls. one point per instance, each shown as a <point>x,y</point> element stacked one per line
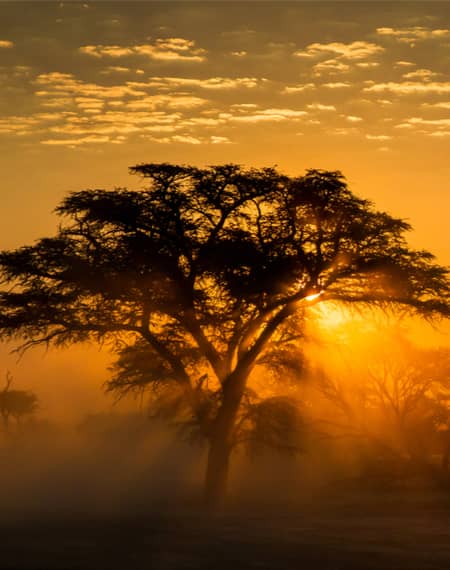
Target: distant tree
<point>397,399</point>
<point>15,403</point>
<point>199,274</point>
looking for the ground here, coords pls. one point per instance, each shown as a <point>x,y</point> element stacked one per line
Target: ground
<point>382,530</point>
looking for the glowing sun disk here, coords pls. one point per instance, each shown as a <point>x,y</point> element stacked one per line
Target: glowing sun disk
<point>313,296</point>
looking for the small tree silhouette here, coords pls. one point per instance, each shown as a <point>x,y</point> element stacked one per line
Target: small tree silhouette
<point>15,403</point>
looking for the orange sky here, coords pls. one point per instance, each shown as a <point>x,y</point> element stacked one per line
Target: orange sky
<point>89,89</point>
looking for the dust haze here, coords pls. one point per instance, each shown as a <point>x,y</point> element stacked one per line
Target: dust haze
<point>86,454</point>
<point>100,481</point>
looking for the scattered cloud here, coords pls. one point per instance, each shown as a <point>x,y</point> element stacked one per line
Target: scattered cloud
<point>321,107</point>
<point>186,139</point>
<point>332,66</point>
<point>424,74</point>
<point>440,105</point>
<point>168,49</point>
<point>367,64</point>
<point>428,127</point>
<point>66,84</point>
<point>409,87</point>
<point>352,51</point>
<point>378,137</point>
<point>344,131</point>
<point>115,69</point>
<point>413,34</point>
<point>353,118</point>
<point>171,101</point>
<point>60,88</point>
<point>220,140</point>
<point>430,122</point>
<point>215,83</point>
<point>241,53</point>
<point>298,88</point>
<point>267,115</point>
<point>336,85</point>
<point>6,44</point>
<point>244,106</point>
<point>405,64</point>
<point>93,139</point>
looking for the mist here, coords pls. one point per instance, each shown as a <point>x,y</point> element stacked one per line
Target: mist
<point>87,454</point>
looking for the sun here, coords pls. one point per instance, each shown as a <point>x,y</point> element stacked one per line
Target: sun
<point>331,314</point>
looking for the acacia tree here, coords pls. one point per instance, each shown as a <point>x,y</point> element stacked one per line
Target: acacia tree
<point>201,271</point>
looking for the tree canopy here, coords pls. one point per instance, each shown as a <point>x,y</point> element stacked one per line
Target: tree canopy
<point>201,271</point>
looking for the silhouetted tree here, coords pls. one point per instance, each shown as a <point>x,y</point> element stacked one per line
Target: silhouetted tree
<point>200,271</point>
<point>16,403</point>
<point>397,400</point>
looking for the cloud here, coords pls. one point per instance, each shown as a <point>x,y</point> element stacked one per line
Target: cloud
<point>353,118</point>
<point>424,74</point>
<point>320,107</point>
<point>241,53</point>
<point>367,64</point>
<point>174,101</point>
<point>298,88</point>
<point>220,140</point>
<point>169,49</point>
<point>6,44</point>
<point>428,127</point>
<point>119,122</point>
<point>244,106</point>
<point>89,103</point>
<point>404,64</point>
<point>17,125</point>
<point>351,51</point>
<point>331,66</point>
<point>428,122</point>
<point>93,139</point>
<point>214,83</point>
<point>27,125</point>
<point>66,84</point>
<point>440,105</point>
<point>344,131</point>
<point>186,139</point>
<point>410,87</point>
<point>412,35</point>
<point>120,69</point>
<point>60,86</point>
<point>336,85</point>
<point>378,137</point>
<point>203,121</point>
<point>267,115</point>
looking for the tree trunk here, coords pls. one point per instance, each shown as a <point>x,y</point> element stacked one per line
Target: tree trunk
<point>445,458</point>
<point>217,472</point>
<point>221,441</point>
<point>5,417</point>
